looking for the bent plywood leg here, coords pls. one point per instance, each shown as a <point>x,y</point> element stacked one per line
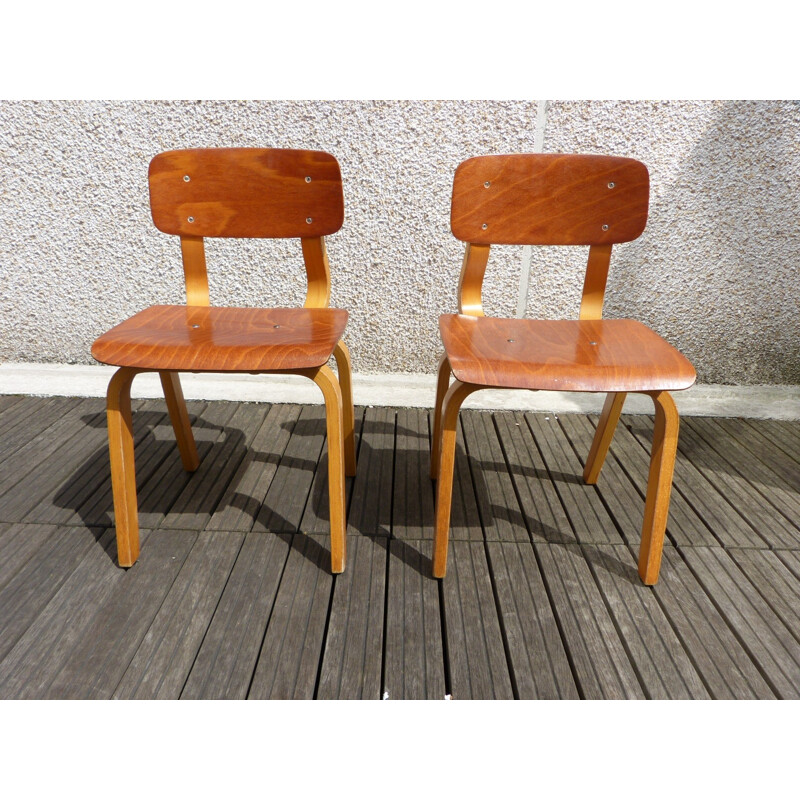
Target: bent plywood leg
<point>179,416</point>
<point>659,486</point>
<point>342,356</point>
<point>444,488</point>
<point>442,383</point>
<point>603,436</point>
<point>123,475</point>
<point>326,380</point>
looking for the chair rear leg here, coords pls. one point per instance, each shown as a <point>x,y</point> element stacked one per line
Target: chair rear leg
<point>342,356</point>
<point>606,426</point>
<point>442,383</point>
<point>123,475</point>
<point>455,396</point>
<point>179,416</point>
<point>331,391</point>
<point>659,486</point>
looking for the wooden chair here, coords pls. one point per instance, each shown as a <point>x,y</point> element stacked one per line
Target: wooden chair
<point>237,192</point>
<point>555,200</point>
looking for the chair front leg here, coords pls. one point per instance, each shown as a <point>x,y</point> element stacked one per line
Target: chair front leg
<point>342,356</point>
<point>455,396</point>
<point>123,474</point>
<point>659,486</point>
<point>179,417</point>
<point>443,381</point>
<point>331,391</point>
<point>603,436</point>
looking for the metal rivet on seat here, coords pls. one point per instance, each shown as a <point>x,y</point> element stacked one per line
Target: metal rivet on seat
<point>511,341</point>
<point>309,220</point>
<point>308,179</point>
<point>195,326</point>
<point>484,226</point>
<point>487,184</point>
<point>191,219</point>
<point>605,227</point>
<point>611,184</point>
<point>592,342</point>
<point>276,326</point>
<point>186,178</point>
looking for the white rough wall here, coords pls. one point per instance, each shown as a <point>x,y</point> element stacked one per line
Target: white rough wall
<point>715,271</point>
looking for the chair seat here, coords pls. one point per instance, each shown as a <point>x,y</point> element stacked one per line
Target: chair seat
<point>612,355</point>
<point>209,339</point>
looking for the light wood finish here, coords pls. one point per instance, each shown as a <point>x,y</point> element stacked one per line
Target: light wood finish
<point>606,426</point>
<point>235,192</point>
<point>549,199</point>
<point>473,268</point>
<point>659,486</point>
<point>176,406</point>
<point>555,199</point>
<point>123,475</point>
<point>442,383</point>
<point>456,394</point>
<point>195,275</point>
<point>318,272</point>
<point>342,356</point>
<point>331,391</point>
<point>594,284</point>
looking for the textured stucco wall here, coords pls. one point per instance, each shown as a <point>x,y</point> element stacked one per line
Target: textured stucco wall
<point>715,271</point>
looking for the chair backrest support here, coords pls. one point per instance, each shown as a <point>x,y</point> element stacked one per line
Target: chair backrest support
<point>547,199</point>
<point>248,193</point>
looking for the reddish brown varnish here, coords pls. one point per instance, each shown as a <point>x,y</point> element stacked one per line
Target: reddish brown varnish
<point>235,192</point>
<point>208,339</point>
<point>555,199</point>
<point>614,355</point>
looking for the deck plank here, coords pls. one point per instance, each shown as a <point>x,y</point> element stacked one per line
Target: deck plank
<point>353,654</point>
<point>223,668</point>
<point>770,644</point>
<point>476,654</point>
<point>539,664</point>
<point>590,520</point>
<point>413,501</point>
<point>414,667</point>
<point>289,661</point>
<point>161,665</point>
<point>500,514</point>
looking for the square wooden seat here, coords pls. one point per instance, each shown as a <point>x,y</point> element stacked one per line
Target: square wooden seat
<point>234,193</point>
<point>555,199</point>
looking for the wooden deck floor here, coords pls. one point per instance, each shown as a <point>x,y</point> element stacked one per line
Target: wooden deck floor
<point>232,596</point>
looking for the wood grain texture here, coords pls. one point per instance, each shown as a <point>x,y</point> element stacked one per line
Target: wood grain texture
<point>204,339</point>
<point>549,199</point>
<point>616,355</point>
<point>246,192</point>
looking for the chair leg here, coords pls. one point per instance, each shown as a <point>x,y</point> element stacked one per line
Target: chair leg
<point>455,396</point>
<point>342,356</point>
<point>603,436</point>
<point>331,391</point>
<point>659,486</point>
<point>442,383</point>
<point>179,416</point>
<point>123,475</point>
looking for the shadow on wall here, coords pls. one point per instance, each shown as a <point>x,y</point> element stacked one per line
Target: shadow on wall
<point>728,224</point>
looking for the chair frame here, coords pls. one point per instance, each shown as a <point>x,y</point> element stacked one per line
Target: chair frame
<point>337,394</point>
<point>451,395</point>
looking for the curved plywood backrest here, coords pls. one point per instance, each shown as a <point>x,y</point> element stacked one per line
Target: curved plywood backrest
<point>246,192</point>
<point>549,199</point>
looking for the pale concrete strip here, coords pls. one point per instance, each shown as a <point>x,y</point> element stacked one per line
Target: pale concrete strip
<point>399,390</point>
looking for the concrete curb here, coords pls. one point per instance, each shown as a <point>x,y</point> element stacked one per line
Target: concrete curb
<point>411,390</point>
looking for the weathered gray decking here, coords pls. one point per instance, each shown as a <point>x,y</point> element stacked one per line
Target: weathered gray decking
<point>232,596</point>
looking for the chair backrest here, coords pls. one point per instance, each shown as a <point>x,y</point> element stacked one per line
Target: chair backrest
<point>546,199</point>
<point>549,199</point>
<point>247,192</point>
